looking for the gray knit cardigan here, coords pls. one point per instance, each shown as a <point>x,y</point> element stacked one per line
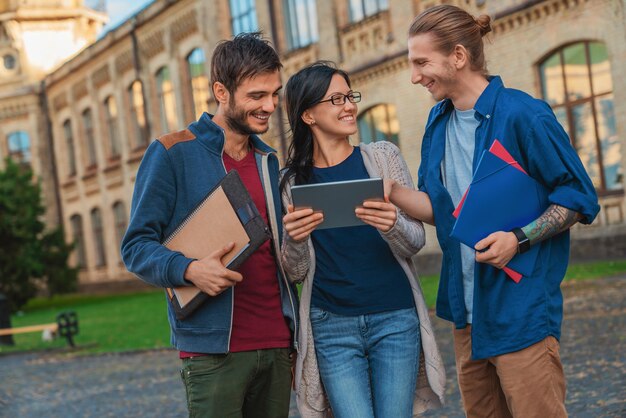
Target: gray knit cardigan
<point>405,238</point>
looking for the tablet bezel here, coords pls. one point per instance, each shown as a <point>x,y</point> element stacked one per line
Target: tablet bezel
<point>337,200</point>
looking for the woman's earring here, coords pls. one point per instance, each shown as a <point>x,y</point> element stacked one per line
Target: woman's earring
<point>312,122</point>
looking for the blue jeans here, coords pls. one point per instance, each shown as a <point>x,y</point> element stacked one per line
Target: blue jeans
<point>368,363</point>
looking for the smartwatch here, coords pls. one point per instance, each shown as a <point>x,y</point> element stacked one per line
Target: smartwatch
<point>523,243</point>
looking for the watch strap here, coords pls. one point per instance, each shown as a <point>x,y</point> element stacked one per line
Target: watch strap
<point>523,243</point>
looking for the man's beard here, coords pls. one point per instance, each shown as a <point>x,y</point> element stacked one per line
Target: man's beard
<point>236,121</point>
<point>447,82</point>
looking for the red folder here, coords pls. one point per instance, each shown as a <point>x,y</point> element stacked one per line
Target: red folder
<point>499,151</point>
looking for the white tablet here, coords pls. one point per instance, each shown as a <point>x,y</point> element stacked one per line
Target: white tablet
<point>337,200</point>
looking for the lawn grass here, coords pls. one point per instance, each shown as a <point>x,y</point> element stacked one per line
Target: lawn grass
<point>586,271</point>
<point>139,321</point>
<point>106,323</point>
<point>575,272</point>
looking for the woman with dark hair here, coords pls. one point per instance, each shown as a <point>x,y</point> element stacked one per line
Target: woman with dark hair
<point>365,332</point>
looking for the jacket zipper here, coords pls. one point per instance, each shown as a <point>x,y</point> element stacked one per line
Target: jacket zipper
<point>270,202</point>
<point>265,169</point>
<point>232,298</point>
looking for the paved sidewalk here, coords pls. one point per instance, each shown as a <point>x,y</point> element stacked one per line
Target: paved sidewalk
<point>147,384</point>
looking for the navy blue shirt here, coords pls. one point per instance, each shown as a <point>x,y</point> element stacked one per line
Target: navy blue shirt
<point>508,316</point>
<point>355,271</point>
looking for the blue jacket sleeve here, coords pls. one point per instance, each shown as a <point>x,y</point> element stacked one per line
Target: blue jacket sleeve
<point>421,171</point>
<point>553,161</point>
<point>151,212</point>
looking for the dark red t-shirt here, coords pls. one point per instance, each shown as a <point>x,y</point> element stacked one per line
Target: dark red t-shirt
<point>258,321</point>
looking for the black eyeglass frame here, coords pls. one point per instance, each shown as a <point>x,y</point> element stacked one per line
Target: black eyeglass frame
<point>353,97</point>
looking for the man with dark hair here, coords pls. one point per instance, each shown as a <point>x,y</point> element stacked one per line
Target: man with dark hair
<point>236,348</point>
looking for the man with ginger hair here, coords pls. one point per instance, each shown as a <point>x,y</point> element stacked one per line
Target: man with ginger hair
<point>506,335</point>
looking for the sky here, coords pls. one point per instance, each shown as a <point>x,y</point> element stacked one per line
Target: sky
<point>120,10</point>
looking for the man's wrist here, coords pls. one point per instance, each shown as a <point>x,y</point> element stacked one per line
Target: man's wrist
<point>523,242</point>
<point>189,272</point>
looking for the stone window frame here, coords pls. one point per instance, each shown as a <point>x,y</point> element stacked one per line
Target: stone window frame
<point>19,152</point>
<point>112,125</point>
<point>87,120</point>
<point>120,220</point>
<point>76,222</point>
<point>139,132</point>
<point>166,98</point>
<point>97,229</point>
<point>361,9</point>
<point>70,147</point>
<point>243,16</point>
<point>366,120</point>
<point>198,83</point>
<point>565,108</point>
<point>301,23</point>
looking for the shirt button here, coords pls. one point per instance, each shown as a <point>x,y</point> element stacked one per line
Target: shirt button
<point>488,116</point>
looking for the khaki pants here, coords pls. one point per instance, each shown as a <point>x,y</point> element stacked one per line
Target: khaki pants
<point>523,384</point>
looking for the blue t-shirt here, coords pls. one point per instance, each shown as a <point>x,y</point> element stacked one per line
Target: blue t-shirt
<point>457,176</point>
<point>356,273</point>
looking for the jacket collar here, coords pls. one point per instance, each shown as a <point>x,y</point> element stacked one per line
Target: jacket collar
<point>442,108</point>
<point>212,135</point>
<point>487,101</point>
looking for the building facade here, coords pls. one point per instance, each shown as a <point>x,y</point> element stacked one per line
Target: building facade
<point>150,76</point>
<point>27,29</point>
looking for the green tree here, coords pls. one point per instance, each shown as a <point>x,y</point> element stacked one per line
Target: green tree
<point>28,255</point>
<point>58,276</point>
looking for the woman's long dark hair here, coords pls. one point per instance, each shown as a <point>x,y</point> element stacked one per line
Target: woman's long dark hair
<point>304,90</point>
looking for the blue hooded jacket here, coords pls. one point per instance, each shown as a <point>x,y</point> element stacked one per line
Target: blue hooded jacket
<point>176,173</point>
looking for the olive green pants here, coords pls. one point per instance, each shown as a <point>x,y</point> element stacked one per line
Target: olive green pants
<point>239,385</point>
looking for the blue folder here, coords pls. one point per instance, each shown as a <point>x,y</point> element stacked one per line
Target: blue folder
<point>500,198</point>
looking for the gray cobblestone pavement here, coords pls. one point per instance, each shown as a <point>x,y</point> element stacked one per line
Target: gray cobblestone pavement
<point>147,384</point>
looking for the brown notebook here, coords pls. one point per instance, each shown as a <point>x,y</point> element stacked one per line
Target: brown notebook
<point>226,214</point>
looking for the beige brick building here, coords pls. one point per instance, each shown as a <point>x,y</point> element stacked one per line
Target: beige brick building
<point>27,30</point>
<point>150,76</point>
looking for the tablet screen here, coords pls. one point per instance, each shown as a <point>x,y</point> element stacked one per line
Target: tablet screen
<point>337,200</point>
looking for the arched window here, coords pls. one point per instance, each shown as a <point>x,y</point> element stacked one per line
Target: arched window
<point>138,114</point>
<point>119,215</point>
<point>76,222</point>
<point>69,145</point>
<point>360,9</point>
<point>379,123</point>
<point>90,143</point>
<point>576,81</point>
<point>167,101</point>
<point>98,237</point>
<point>243,16</point>
<point>19,147</point>
<point>111,114</point>
<point>196,67</point>
<point>301,23</point>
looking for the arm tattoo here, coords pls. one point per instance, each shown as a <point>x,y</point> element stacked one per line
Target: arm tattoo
<point>553,221</point>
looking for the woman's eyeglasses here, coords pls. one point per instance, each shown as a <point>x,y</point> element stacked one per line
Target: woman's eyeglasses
<point>340,99</point>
